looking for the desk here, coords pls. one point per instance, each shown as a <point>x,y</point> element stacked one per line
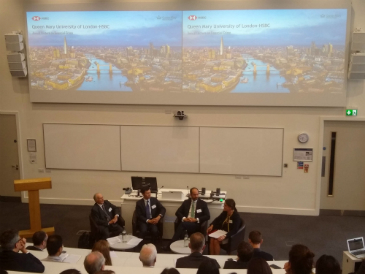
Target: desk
<point>128,206</point>
<point>348,262</point>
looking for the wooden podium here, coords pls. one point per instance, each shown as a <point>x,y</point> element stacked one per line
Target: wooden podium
<point>33,186</point>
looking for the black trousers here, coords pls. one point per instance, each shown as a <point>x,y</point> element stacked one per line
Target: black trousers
<point>111,231</point>
<point>144,228</point>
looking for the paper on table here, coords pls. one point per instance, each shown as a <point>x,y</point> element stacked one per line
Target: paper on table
<point>217,234</point>
<point>113,240</point>
<point>134,241</point>
<point>72,258</point>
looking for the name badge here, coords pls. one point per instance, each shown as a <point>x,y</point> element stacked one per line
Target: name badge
<point>198,211</point>
<point>110,209</point>
<point>230,221</point>
<point>153,207</point>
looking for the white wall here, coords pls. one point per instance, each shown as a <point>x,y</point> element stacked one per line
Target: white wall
<point>293,193</point>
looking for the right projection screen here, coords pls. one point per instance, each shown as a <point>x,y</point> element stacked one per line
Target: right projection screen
<point>289,57</point>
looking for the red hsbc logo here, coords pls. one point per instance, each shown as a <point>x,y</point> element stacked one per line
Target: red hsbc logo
<point>192,17</point>
<point>36,18</point>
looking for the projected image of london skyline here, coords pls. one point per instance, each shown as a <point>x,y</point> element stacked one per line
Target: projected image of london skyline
<point>264,51</point>
<point>105,51</point>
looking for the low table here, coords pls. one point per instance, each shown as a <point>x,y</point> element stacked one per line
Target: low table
<point>124,246</point>
<point>178,247</point>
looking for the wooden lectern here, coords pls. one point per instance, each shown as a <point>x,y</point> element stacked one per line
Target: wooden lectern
<point>33,186</point>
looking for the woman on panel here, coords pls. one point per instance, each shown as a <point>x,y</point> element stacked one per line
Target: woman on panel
<point>300,260</point>
<point>103,247</point>
<point>229,220</point>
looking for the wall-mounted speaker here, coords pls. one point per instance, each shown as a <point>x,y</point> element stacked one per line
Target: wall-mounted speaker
<point>19,73</point>
<point>357,66</point>
<point>16,59</point>
<point>15,46</point>
<point>358,41</point>
<point>13,38</point>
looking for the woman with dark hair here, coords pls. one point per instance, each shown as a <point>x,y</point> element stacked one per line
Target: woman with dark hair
<point>208,267</point>
<point>327,265</point>
<point>300,260</point>
<point>229,220</point>
<point>103,247</point>
<point>258,266</point>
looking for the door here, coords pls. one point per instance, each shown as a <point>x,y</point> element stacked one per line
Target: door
<point>347,140</point>
<point>9,158</point>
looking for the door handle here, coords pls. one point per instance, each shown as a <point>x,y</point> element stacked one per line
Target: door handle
<point>16,167</point>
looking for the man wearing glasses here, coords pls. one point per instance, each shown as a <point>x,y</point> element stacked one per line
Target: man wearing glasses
<point>12,259</point>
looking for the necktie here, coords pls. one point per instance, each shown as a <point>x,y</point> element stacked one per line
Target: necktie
<point>148,213</point>
<point>192,212</point>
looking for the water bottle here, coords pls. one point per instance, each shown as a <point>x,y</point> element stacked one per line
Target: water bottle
<point>186,239</point>
<point>124,236</point>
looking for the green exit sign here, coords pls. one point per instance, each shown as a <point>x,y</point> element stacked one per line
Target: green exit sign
<point>351,112</point>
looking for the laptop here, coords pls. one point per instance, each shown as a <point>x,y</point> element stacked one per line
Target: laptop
<point>356,247</point>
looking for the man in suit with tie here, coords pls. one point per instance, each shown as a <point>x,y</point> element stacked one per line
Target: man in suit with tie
<point>107,218</point>
<point>149,211</point>
<point>191,214</point>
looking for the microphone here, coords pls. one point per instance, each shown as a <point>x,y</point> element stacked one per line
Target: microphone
<point>161,187</point>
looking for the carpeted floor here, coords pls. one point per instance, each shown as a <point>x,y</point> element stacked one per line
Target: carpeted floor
<point>322,234</point>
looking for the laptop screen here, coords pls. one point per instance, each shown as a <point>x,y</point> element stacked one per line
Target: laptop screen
<point>356,244</point>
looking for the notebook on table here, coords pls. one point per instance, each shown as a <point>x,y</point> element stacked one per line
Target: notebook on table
<point>356,247</point>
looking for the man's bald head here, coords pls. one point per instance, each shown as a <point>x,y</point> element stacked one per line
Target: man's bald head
<point>197,242</point>
<point>94,262</point>
<point>148,255</point>
<point>98,198</point>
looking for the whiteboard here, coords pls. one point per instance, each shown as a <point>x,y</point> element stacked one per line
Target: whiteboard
<point>90,147</point>
<point>164,149</point>
<point>241,151</point>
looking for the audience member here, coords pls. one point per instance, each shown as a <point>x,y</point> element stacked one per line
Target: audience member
<point>103,247</point>
<point>258,266</point>
<point>196,245</point>
<point>361,269</point>
<point>106,216</point>
<point>148,255</point>
<point>3,271</point>
<point>244,253</point>
<point>300,260</point>
<point>71,271</point>
<point>54,249</point>
<point>327,265</point>
<point>105,272</point>
<point>208,267</point>
<point>11,259</point>
<point>39,241</point>
<point>191,214</point>
<point>229,220</point>
<point>255,239</point>
<point>170,271</point>
<point>94,262</point>
<point>149,212</point>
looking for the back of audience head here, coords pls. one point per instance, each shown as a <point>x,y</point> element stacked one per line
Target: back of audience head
<point>300,260</point>
<point>54,245</point>
<point>94,262</point>
<point>9,240</point>
<point>197,242</point>
<point>103,247</point>
<point>255,238</point>
<point>258,266</point>
<point>148,255</point>
<point>70,271</point>
<point>170,271</point>
<point>208,267</point>
<point>361,269</point>
<point>39,239</point>
<point>327,264</point>
<point>244,251</point>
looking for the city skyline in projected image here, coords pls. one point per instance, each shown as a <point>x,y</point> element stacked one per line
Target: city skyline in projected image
<point>264,51</point>
<point>105,51</point>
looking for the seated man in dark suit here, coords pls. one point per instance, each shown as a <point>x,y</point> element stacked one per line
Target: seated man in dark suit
<point>149,211</point>
<point>106,216</point>
<point>191,214</point>
<point>196,245</point>
<point>39,241</point>
<point>255,240</point>
<point>11,259</point>
<point>244,253</point>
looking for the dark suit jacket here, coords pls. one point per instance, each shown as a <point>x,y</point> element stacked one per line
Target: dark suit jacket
<point>233,226</point>
<point>156,209</point>
<point>235,265</point>
<point>261,254</point>
<point>201,206</point>
<point>193,261</point>
<point>100,217</point>
<point>10,260</point>
<point>32,247</point>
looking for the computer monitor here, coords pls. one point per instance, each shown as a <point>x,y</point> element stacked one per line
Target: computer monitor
<point>136,182</point>
<point>152,182</point>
